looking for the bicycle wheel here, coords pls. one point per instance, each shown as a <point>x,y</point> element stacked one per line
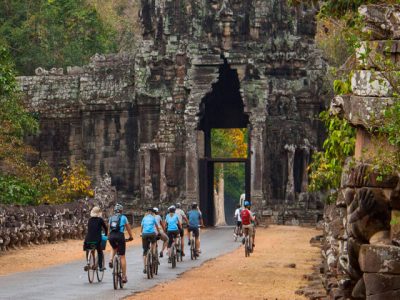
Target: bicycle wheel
<point>149,265</point>
<point>155,264</point>
<point>173,257</point>
<point>155,261</point>
<point>246,247</point>
<point>115,273</point>
<point>121,283</point>
<point>92,265</point>
<point>99,273</point>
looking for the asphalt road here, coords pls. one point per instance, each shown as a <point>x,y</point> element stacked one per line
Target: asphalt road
<point>69,281</point>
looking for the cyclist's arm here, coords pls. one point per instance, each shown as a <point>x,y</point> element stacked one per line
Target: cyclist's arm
<point>128,228</point>
<point>185,218</point>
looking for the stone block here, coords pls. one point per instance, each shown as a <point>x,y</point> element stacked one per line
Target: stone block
<point>363,175</point>
<point>371,54</point>
<point>372,84</point>
<point>380,259</point>
<point>377,283</point>
<point>363,111</point>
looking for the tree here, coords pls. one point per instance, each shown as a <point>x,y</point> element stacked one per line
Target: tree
<point>52,33</point>
<point>229,178</point>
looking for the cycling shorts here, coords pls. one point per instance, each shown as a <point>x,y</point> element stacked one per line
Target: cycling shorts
<point>239,223</point>
<point>195,230</point>
<point>117,240</point>
<point>172,235</point>
<point>148,238</point>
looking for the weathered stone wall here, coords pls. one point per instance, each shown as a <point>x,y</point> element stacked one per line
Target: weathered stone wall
<point>26,226</point>
<point>136,116</point>
<point>361,247</point>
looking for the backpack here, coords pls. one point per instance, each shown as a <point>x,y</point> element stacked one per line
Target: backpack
<point>245,216</point>
<point>115,223</point>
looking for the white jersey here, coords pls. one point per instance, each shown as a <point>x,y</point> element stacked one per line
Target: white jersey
<point>237,214</point>
<point>180,214</point>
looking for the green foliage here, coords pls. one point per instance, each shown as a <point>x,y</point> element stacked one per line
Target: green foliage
<point>16,191</point>
<point>326,166</point>
<point>341,87</point>
<point>230,143</point>
<point>339,8</point>
<point>53,33</point>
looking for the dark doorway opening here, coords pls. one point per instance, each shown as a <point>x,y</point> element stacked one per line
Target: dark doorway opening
<point>221,109</point>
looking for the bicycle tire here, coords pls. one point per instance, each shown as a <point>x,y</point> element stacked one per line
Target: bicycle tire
<point>115,273</point>
<point>100,274</point>
<point>173,257</point>
<point>246,247</point>
<point>149,265</point>
<point>91,263</point>
<point>156,261</point>
<point>235,235</point>
<point>121,283</point>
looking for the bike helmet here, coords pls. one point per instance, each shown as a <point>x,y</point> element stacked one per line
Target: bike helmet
<point>246,203</point>
<point>155,209</point>
<point>118,208</point>
<point>150,209</point>
<point>178,205</point>
<point>194,205</point>
<point>172,209</point>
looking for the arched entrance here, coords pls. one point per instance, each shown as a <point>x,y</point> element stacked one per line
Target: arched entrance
<point>222,108</point>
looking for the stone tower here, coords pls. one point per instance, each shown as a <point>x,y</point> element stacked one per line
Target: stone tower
<point>146,117</point>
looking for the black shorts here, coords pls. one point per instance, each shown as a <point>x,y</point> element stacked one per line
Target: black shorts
<point>171,236</point>
<point>239,223</point>
<point>181,232</point>
<point>117,240</point>
<point>195,230</point>
<point>148,238</point>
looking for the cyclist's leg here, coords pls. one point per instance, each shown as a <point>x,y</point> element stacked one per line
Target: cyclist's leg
<point>121,252</point>
<point>182,233</point>
<point>196,233</point>
<point>100,256</point>
<point>171,238</point>
<point>113,250</point>
<point>145,245</point>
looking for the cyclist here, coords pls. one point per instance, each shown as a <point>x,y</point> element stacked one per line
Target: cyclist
<point>173,225</point>
<point>161,232</point>
<point>195,221</point>
<point>95,226</point>
<point>237,217</point>
<point>248,220</point>
<point>117,225</point>
<point>149,229</point>
<point>182,217</point>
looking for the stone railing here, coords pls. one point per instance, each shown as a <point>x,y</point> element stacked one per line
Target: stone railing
<point>33,225</point>
<point>361,249</point>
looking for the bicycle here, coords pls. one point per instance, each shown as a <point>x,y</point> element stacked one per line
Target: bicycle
<point>237,232</point>
<point>117,270</point>
<point>248,245</point>
<point>173,257</point>
<point>92,265</point>
<point>152,261</point>
<point>179,256</point>
<point>193,252</point>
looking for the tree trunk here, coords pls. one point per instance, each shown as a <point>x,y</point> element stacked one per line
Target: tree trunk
<point>219,199</point>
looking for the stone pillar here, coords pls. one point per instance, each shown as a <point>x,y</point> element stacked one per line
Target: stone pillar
<point>192,172</point>
<point>145,172</point>
<point>257,164</point>
<point>290,193</point>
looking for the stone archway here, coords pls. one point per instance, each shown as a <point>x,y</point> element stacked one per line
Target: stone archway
<point>252,94</point>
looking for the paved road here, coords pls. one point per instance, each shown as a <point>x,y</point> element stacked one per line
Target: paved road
<point>69,281</point>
